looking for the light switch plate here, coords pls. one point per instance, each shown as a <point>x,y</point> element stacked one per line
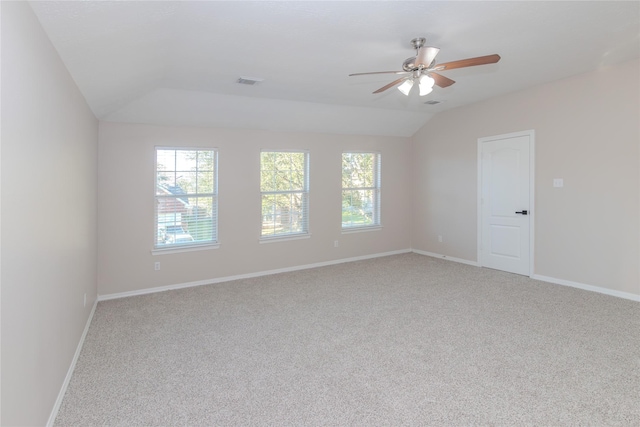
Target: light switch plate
<point>558,182</point>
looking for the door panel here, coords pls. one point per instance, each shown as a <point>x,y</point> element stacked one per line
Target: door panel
<point>505,179</point>
<point>505,241</point>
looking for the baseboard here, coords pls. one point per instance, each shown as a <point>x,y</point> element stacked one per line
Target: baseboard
<point>447,257</point>
<point>563,282</point>
<point>619,294</point>
<point>601,290</point>
<point>245,276</point>
<point>67,379</point>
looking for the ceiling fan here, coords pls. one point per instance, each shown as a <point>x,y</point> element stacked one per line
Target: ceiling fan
<point>422,68</point>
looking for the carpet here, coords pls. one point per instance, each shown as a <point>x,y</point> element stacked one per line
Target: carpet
<point>400,340</point>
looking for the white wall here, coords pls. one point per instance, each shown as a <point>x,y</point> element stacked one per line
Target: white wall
<point>588,133</point>
<point>126,204</point>
<point>49,232</point>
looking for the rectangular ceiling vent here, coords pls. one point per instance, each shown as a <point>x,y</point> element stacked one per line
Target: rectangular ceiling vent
<point>249,80</point>
<point>433,102</point>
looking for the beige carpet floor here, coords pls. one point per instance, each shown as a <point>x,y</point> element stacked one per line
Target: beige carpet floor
<point>400,340</point>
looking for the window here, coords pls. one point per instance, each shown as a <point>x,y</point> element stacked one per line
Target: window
<point>360,190</point>
<point>284,188</point>
<point>186,197</point>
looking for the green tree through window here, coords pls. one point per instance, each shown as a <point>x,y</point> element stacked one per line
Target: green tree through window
<point>284,188</point>
<point>360,190</point>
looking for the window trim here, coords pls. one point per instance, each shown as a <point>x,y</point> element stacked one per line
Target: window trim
<point>361,229</point>
<point>185,248</point>
<point>377,190</point>
<point>305,192</point>
<point>188,246</point>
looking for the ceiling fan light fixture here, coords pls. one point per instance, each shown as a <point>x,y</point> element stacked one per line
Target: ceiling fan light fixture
<point>405,87</point>
<point>427,80</point>
<point>425,90</point>
<point>426,85</point>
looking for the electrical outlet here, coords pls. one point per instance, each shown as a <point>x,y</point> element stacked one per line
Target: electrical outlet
<point>336,243</point>
<point>85,300</point>
<point>156,266</point>
<point>440,239</point>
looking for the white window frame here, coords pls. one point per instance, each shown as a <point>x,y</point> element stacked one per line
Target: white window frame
<point>377,166</point>
<point>186,246</point>
<point>291,235</point>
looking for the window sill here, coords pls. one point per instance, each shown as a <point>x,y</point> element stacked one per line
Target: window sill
<point>186,248</point>
<point>284,238</point>
<point>352,230</point>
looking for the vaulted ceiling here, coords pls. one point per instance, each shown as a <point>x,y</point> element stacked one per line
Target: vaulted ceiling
<point>178,63</point>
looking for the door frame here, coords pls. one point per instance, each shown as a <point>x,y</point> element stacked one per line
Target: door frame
<point>532,212</point>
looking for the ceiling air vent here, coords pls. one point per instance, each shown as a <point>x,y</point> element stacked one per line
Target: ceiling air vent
<point>433,102</point>
<point>249,80</point>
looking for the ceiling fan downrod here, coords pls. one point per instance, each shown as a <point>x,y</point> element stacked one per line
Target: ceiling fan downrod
<point>417,43</point>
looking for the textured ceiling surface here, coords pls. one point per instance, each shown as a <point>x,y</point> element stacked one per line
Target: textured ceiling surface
<point>178,62</point>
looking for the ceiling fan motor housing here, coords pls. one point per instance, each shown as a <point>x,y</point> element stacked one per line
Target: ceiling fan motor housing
<point>409,64</point>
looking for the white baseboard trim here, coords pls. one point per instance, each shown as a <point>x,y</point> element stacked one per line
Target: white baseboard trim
<point>67,379</point>
<point>447,257</point>
<point>612,292</point>
<point>245,276</point>
<point>606,291</point>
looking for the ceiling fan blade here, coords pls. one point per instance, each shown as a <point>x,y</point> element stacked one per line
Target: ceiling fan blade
<point>392,84</point>
<point>380,72</point>
<point>426,55</point>
<point>469,62</point>
<point>441,80</point>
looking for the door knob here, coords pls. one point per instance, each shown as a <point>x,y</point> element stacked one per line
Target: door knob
<point>522,212</point>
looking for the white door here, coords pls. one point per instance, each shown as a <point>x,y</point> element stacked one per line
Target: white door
<point>506,202</point>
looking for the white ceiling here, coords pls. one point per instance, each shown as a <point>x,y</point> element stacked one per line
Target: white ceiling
<point>177,62</point>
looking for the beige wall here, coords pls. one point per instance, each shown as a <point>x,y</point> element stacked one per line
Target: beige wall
<point>587,132</point>
<point>126,204</point>
<point>49,230</point>
<point>52,184</point>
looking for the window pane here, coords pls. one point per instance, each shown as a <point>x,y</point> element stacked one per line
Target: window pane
<point>358,170</point>
<point>186,203</point>
<point>283,176</point>
<point>282,213</point>
<point>266,180</point>
<point>170,215</point>
<point>357,208</point>
<point>205,183</point>
<point>166,160</point>
<point>269,211</point>
<point>360,189</point>
<point>267,161</point>
<point>297,179</point>
<point>165,180</point>
<point>282,172</point>
<point>205,161</point>
<point>282,181</point>
<point>186,182</point>
<point>199,219</point>
<point>347,170</point>
<point>185,160</point>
